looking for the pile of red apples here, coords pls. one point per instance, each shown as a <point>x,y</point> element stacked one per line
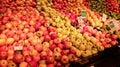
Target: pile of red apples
<point>21,25</point>
<point>41,47</point>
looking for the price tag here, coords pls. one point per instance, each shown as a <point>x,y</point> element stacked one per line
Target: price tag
<point>111,24</point>
<point>83,14</point>
<point>80,20</point>
<point>104,17</point>
<point>18,47</point>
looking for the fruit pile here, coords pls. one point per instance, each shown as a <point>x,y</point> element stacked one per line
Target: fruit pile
<point>46,33</point>
<point>112,5</point>
<point>109,7</point>
<point>60,5</point>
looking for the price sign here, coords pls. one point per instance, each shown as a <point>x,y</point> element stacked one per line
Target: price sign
<point>80,20</point>
<point>18,47</point>
<point>111,24</point>
<point>104,17</point>
<point>83,14</point>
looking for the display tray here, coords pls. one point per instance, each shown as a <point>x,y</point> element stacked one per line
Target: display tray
<point>108,58</point>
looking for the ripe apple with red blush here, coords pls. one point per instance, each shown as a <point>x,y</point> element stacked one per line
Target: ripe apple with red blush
<point>59,64</point>
<point>23,64</point>
<point>45,32</point>
<point>50,65</point>
<point>53,35</point>
<point>3,54</point>
<point>28,58</point>
<point>18,58</point>
<point>60,45</point>
<point>33,63</point>
<point>72,52</point>
<point>36,57</point>
<point>12,64</point>
<point>66,45</point>
<point>57,55</point>
<point>65,52</point>
<point>39,47</point>
<point>57,49</point>
<point>37,25</point>
<point>64,40</point>
<point>65,59</point>
<point>114,37</point>
<point>3,63</point>
<point>43,55</point>
<point>57,40</point>
<point>50,59</point>
<point>47,38</point>
<point>52,46</point>
<point>49,52</point>
<point>51,29</point>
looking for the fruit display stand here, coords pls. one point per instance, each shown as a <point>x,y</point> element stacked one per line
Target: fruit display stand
<point>109,57</point>
<point>55,33</point>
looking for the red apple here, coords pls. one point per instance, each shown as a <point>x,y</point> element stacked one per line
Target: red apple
<point>16,37</point>
<point>33,41</point>
<point>43,54</point>
<point>47,24</point>
<point>59,64</point>
<point>10,33</point>
<point>47,38</point>
<point>36,57</point>
<point>32,29</point>
<point>37,26</point>
<point>33,52</point>
<point>57,56</point>
<point>23,64</point>
<point>42,65</point>
<point>39,47</point>
<point>71,57</point>
<point>10,41</point>
<point>52,46</point>
<point>57,41</point>
<point>12,64</point>
<point>3,54</point>
<point>39,33</point>
<point>107,35</point>
<point>3,36</point>
<point>60,46</point>
<point>50,59</point>
<point>53,35</point>
<point>45,32</point>
<point>114,37</point>
<point>2,42</point>
<point>65,59</point>
<point>65,52</point>
<point>64,40</point>
<point>51,29</point>
<point>49,53</point>
<point>23,36</point>
<point>66,45</point>
<point>113,42</point>
<point>50,65</point>
<point>57,49</point>
<point>72,52</point>
<point>28,58</point>
<point>33,63</point>
<point>3,63</point>
<point>18,58</point>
